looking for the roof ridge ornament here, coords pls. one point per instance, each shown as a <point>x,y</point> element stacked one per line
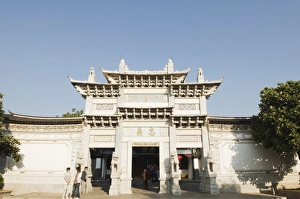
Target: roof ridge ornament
<point>92,76</point>
<point>169,68</point>
<point>200,78</point>
<point>123,67</point>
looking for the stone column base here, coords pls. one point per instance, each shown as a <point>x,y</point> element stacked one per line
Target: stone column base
<point>164,186</point>
<point>114,187</point>
<point>125,186</point>
<point>208,183</point>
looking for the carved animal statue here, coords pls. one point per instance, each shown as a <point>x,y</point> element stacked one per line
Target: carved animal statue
<point>114,163</point>
<point>174,163</point>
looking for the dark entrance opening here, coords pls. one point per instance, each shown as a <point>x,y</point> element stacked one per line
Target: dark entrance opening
<point>142,157</point>
<point>100,166</point>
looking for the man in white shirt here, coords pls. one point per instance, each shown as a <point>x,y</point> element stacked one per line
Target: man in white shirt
<point>76,184</point>
<point>67,184</point>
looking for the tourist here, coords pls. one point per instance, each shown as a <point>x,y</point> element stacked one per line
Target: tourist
<point>157,175</point>
<point>67,184</point>
<point>152,174</point>
<point>83,181</point>
<point>145,179</point>
<point>148,170</point>
<point>76,184</point>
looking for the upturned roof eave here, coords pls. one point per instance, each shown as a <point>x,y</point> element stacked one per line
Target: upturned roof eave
<point>76,82</point>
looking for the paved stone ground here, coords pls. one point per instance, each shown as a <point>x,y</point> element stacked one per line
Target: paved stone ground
<point>189,192</point>
<point>290,193</point>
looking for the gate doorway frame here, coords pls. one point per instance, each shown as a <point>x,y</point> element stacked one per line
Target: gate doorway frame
<point>140,152</point>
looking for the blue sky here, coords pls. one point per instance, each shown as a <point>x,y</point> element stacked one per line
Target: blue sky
<point>253,44</point>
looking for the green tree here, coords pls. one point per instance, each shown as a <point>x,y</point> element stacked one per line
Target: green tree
<point>277,126</point>
<point>74,113</point>
<point>9,146</point>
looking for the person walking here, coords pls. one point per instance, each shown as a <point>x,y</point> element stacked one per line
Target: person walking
<point>76,184</point>
<point>67,184</point>
<point>83,181</point>
<point>145,179</point>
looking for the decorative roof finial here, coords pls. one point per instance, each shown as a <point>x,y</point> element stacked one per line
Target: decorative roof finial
<point>169,68</point>
<point>200,77</point>
<point>123,67</point>
<point>92,76</point>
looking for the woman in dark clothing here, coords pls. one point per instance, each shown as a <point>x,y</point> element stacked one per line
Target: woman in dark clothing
<point>145,179</point>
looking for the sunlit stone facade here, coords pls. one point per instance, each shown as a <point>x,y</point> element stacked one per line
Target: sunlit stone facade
<point>137,112</point>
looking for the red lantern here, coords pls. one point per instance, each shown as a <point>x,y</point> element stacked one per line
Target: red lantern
<point>179,157</point>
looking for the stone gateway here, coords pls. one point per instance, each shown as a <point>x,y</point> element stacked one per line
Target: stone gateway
<point>141,120</point>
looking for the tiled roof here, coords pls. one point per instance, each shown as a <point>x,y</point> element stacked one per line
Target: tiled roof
<point>229,120</point>
<point>39,120</point>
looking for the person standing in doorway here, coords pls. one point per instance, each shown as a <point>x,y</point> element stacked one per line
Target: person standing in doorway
<point>157,175</point>
<point>83,181</point>
<point>148,170</point>
<point>67,184</point>
<point>152,174</point>
<point>145,179</point>
<point>76,184</point>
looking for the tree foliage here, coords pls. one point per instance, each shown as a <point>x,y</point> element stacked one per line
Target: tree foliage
<point>9,146</point>
<point>277,126</point>
<point>74,113</point>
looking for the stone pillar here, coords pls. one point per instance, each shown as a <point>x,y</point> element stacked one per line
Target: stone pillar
<point>85,147</point>
<point>118,141</point>
<point>174,171</point>
<point>205,149</point>
<point>164,168</point>
<point>190,167</point>
<point>204,169</point>
<point>116,163</point>
<point>115,178</point>
<point>86,157</point>
<point>175,188</point>
<point>172,137</point>
<point>203,107</point>
<point>208,178</point>
<point>89,173</point>
<point>125,177</point>
<point>208,183</point>
<point>103,167</point>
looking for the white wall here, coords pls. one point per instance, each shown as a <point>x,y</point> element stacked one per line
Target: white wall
<point>50,156</point>
<point>246,156</point>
